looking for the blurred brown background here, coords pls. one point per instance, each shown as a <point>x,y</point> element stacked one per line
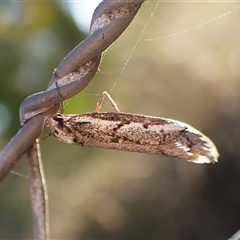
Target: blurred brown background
<point>192,76</point>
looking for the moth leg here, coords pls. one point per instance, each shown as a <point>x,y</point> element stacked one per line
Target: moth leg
<point>100,101</point>
<point>59,94</point>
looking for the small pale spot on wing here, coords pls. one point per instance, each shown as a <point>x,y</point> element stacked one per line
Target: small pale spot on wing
<point>201,160</point>
<point>186,149</point>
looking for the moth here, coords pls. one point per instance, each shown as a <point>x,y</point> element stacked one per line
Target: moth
<point>134,133</point>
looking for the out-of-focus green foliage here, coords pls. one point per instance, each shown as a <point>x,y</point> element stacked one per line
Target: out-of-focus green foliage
<point>192,76</point>
<point>34,37</point>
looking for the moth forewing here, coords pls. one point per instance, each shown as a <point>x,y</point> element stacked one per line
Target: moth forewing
<point>134,133</point>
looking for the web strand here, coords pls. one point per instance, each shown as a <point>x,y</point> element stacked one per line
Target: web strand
<point>193,28</point>
<point>134,47</point>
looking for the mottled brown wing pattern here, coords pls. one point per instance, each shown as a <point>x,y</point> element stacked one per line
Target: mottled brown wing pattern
<point>134,133</point>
